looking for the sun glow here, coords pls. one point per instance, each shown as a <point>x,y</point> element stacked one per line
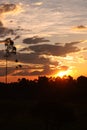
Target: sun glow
<point>61,74</point>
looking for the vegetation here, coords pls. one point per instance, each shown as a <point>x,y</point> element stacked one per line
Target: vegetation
<point>44,104</point>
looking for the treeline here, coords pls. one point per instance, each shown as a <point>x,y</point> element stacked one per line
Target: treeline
<point>44,104</point>
<point>45,88</point>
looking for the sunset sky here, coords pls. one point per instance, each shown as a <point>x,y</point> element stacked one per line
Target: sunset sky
<point>50,37</point>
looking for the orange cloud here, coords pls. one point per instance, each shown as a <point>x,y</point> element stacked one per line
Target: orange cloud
<point>80,27</point>
<point>10,8</point>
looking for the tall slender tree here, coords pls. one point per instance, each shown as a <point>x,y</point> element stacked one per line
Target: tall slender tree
<point>10,49</point>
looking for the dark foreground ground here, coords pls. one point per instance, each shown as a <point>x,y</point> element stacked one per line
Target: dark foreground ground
<point>43,105</point>
<point>26,115</point>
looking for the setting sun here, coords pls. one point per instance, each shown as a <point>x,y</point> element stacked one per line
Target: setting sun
<point>63,73</point>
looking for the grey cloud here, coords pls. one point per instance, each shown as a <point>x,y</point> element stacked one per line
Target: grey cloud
<point>55,50</point>
<point>34,40</point>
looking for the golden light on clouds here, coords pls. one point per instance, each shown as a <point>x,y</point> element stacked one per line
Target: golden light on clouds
<point>38,3</point>
<point>18,9</point>
<point>80,28</point>
<point>7,9</point>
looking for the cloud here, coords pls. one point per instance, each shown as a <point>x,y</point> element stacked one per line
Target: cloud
<point>3,71</point>
<point>5,31</point>
<point>30,58</point>
<point>55,50</point>
<point>37,3</point>
<point>34,40</point>
<point>20,73</point>
<point>80,28</point>
<point>24,49</point>
<point>34,58</point>
<point>34,63</point>
<point>46,70</point>
<point>46,66</point>
<point>17,37</point>
<point>63,68</point>
<point>7,8</point>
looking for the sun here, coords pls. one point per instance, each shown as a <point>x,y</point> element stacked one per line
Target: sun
<point>61,74</point>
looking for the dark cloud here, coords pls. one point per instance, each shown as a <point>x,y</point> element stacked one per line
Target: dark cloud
<point>34,40</point>
<point>7,8</point>
<point>3,71</point>
<point>1,24</point>
<point>85,48</point>
<point>81,27</point>
<point>37,58</point>
<point>36,64</point>
<point>31,58</point>
<point>12,57</point>
<point>46,71</point>
<point>5,31</point>
<point>22,29</point>
<point>34,58</point>
<point>55,50</point>
<point>17,37</point>
<point>21,73</point>
<point>25,49</point>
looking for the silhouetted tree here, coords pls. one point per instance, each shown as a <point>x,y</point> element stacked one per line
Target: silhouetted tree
<point>9,50</point>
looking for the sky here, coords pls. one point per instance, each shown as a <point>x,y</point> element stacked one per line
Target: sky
<point>50,37</point>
